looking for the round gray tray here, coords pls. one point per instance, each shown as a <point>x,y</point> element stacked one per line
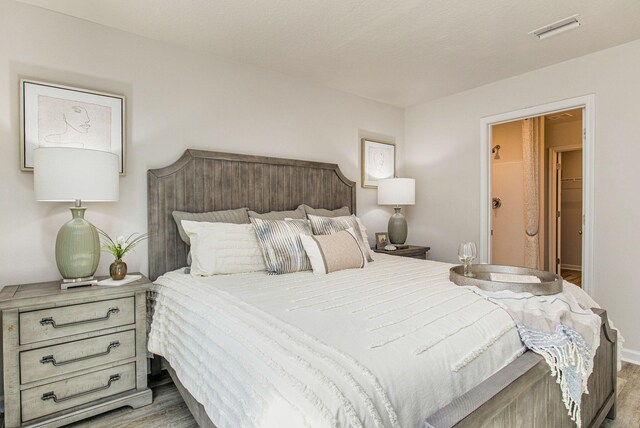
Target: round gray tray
<point>550,283</point>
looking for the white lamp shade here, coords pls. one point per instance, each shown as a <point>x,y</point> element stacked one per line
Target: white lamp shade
<point>397,191</point>
<point>66,174</point>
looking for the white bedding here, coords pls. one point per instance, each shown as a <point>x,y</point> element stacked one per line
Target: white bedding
<point>383,346</point>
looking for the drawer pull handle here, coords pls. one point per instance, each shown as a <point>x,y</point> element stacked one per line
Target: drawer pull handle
<point>52,360</point>
<point>52,396</point>
<point>50,320</point>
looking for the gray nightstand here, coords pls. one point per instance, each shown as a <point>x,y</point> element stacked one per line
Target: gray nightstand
<point>413,251</point>
<point>71,354</point>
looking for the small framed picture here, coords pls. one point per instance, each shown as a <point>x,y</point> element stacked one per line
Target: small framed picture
<point>53,115</point>
<point>382,240</point>
<point>378,161</point>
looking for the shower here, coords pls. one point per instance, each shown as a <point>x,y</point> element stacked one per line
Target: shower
<point>496,150</point>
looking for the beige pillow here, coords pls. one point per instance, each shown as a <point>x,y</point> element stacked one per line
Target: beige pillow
<point>328,225</point>
<point>339,212</point>
<point>335,252</point>
<point>298,213</point>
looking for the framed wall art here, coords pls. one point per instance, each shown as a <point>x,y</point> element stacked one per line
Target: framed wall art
<point>378,161</point>
<point>53,115</point>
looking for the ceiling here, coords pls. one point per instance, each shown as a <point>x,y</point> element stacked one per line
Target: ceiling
<point>400,52</point>
<point>564,116</point>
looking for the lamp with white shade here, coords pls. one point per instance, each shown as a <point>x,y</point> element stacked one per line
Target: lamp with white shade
<point>397,192</point>
<point>76,175</point>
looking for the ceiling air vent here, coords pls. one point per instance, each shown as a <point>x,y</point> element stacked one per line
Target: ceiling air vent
<point>557,27</point>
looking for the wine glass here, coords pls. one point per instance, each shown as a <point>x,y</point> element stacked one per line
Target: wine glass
<point>464,253</point>
<point>474,251</point>
<point>467,252</point>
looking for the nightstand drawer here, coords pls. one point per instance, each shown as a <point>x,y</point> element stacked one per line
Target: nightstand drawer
<point>64,321</point>
<point>57,360</point>
<point>65,394</point>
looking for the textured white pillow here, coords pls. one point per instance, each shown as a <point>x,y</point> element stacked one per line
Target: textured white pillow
<point>363,231</point>
<point>223,248</point>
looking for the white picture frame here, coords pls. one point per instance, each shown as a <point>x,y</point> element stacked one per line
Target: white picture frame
<point>53,115</point>
<point>378,162</point>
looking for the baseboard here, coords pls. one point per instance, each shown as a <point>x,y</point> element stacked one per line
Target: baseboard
<point>631,356</point>
<point>571,267</point>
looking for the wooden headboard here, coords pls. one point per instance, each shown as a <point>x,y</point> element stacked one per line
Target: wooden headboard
<point>203,181</point>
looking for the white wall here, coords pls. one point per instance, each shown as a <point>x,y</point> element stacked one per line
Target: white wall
<point>176,99</point>
<point>442,145</point>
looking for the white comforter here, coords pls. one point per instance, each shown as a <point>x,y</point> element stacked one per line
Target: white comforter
<point>380,347</point>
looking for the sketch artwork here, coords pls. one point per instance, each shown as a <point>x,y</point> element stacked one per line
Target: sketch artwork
<point>64,123</point>
<point>60,116</point>
<point>378,162</point>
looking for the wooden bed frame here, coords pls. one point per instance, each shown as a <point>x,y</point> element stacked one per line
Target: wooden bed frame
<point>522,394</point>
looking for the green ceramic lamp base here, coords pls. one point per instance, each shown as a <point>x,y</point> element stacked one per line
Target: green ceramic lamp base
<point>397,227</point>
<point>77,249</point>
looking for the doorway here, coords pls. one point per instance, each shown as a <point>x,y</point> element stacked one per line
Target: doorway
<point>537,202</point>
<point>535,171</point>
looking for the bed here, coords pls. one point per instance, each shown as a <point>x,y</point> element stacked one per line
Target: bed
<point>412,349</point>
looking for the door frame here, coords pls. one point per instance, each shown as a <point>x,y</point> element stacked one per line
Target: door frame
<point>552,200</point>
<point>587,102</point>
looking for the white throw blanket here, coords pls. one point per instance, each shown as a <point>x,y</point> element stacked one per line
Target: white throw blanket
<point>562,330</point>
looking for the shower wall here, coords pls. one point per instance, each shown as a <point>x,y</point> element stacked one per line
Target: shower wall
<point>508,236</point>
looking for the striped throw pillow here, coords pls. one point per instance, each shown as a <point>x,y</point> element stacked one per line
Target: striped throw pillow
<point>281,245</point>
<point>328,225</point>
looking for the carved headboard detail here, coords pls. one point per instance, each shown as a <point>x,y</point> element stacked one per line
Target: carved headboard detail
<point>203,181</point>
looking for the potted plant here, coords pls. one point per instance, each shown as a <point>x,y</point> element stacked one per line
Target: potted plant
<point>118,248</point>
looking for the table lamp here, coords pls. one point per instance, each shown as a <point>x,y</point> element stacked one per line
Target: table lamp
<point>397,191</point>
<point>66,175</point>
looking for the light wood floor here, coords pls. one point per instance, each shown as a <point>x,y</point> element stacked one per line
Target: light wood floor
<point>168,409</point>
<point>628,398</point>
<point>573,276</point>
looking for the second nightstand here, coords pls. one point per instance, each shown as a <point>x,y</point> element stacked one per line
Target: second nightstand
<point>71,354</point>
<point>413,251</point>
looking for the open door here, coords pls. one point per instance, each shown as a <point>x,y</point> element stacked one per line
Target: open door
<point>566,215</point>
<point>555,179</point>
<point>558,212</point>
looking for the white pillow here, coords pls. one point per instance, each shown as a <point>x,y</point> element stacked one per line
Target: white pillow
<point>223,248</point>
<point>363,231</point>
